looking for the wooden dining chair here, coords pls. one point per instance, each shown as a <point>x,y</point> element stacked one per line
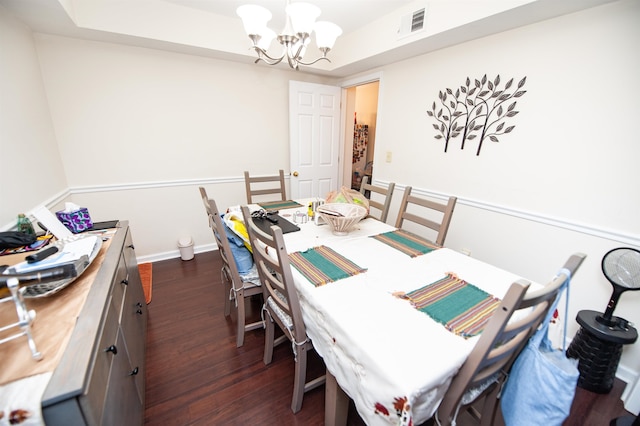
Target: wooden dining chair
<point>238,286</point>
<point>264,185</point>
<point>282,305</point>
<point>431,214</point>
<point>386,193</point>
<point>486,369</point>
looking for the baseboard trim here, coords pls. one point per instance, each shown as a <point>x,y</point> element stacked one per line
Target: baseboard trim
<point>157,257</point>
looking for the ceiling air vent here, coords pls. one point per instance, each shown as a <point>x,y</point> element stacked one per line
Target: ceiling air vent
<point>412,23</point>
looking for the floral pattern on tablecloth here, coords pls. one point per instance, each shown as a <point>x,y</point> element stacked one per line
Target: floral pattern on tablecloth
<point>401,409</point>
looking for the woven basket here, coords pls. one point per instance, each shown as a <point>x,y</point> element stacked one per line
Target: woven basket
<point>341,216</point>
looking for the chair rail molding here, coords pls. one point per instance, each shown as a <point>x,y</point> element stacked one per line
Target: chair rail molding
<point>64,194</point>
<point>154,185</point>
<point>596,231</point>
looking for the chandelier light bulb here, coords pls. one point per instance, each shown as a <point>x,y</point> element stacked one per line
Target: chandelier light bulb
<point>303,16</point>
<point>254,18</point>
<point>326,34</point>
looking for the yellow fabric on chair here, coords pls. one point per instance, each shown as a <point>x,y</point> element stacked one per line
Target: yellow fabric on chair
<point>235,222</point>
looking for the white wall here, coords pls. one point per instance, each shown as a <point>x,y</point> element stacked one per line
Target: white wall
<point>140,129</point>
<point>572,145</point>
<point>32,171</point>
<point>565,180</point>
<point>161,115</point>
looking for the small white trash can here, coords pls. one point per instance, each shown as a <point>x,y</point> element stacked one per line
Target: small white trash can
<point>185,245</point>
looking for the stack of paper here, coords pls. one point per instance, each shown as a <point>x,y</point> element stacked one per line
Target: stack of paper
<point>68,252</point>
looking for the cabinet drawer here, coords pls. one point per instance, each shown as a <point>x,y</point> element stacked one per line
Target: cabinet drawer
<point>134,316</point>
<point>133,324</point>
<point>92,401</point>
<point>122,405</point>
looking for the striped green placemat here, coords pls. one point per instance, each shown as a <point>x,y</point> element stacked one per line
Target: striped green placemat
<point>322,265</point>
<point>462,308</point>
<point>406,242</point>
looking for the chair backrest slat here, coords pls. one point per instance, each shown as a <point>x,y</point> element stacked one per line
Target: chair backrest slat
<point>424,205</point>
<point>387,193</point>
<point>255,186</point>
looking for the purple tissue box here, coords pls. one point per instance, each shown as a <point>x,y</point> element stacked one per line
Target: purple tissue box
<point>76,221</point>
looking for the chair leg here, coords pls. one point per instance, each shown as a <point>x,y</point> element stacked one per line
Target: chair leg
<point>490,407</point>
<point>299,379</point>
<point>227,304</point>
<point>240,319</point>
<point>268,339</point>
<point>227,289</point>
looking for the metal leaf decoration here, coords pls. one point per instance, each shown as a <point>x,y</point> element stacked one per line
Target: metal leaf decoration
<point>475,111</point>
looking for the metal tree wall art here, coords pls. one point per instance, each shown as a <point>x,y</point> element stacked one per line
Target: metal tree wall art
<point>476,111</point>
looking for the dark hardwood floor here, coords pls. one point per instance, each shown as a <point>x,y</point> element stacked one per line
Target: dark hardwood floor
<point>195,375</point>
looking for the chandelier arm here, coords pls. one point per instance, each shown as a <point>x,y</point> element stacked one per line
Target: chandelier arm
<point>322,58</point>
<point>302,38</point>
<point>262,54</point>
<point>274,62</point>
<point>293,63</point>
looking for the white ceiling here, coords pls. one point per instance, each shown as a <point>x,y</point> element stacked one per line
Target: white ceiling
<point>211,27</point>
<point>348,14</point>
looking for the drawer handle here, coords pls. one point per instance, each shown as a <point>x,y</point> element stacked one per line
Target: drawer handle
<point>125,281</point>
<point>113,349</point>
<point>131,246</point>
<point>134,372</point>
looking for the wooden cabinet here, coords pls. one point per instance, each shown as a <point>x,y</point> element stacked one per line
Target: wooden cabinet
<point>100,378</point>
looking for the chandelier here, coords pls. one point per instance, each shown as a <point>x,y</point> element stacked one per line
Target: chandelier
<point>294,38</point>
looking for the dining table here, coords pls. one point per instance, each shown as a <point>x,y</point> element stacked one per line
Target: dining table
<point>393,316</point>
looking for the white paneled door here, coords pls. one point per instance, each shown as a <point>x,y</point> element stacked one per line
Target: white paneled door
<point>314,126</point>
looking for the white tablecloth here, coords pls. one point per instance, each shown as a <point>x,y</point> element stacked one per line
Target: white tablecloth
<point>394,361</point>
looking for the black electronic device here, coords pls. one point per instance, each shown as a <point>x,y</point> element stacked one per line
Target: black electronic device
<point>41,254</point>
<point>266,221</point>
<point>97,226</point>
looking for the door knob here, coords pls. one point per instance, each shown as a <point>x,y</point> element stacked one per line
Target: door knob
<point>295,174</point>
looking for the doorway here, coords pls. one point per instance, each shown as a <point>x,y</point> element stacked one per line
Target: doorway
<point>362,107</point>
